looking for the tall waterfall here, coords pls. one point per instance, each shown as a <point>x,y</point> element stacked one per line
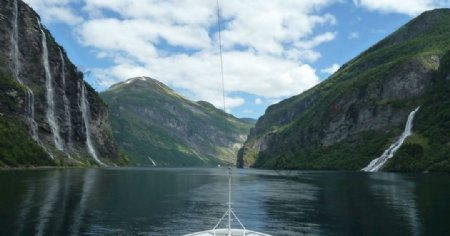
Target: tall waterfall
<point>377,163</point>
<point>16,72</point>
<point>65,99</point>
<point>86,114</point>
<point>50,94</point>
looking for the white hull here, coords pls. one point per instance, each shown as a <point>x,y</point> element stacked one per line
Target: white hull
<point>226,232</point>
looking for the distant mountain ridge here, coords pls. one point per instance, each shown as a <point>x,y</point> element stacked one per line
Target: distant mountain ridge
<point>353,116</point>
<point>152,123</point>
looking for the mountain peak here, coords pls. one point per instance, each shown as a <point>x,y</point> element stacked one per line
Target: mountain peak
<point>150,119</point>
<point>142,78</point>
<point>427,22</point>
<point>132,80</point>
<point>144,81</point>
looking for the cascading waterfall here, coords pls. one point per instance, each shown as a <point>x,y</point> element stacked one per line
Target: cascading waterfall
<point>50,94</point>
<point>377,163</point>
<point>16,71</point>
<point>65,99</point>
<point>86,114</point>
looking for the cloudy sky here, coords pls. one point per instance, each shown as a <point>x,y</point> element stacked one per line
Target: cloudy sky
<point>273,49</point>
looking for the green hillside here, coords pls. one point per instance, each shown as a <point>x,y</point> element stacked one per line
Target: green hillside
<point>350,118</point>
<point>152,122</point>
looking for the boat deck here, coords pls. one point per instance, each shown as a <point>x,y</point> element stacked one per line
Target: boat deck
<point>224,232</point>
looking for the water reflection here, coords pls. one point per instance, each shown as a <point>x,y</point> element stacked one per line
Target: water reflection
<point>89,179</point>
<point>49,201</point>
<point>399,194</point>
<point>178,201</point>
<point>287,204</point>
<point>25,208</point>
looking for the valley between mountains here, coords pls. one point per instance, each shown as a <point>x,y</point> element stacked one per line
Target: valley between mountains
<point>50,116</point>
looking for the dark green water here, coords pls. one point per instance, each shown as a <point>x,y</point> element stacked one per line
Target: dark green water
<point>178,201</point>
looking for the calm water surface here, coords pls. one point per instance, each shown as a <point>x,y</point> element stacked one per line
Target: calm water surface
<point>178,201</point>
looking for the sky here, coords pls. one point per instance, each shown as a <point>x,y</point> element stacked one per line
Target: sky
<point>272,49</point>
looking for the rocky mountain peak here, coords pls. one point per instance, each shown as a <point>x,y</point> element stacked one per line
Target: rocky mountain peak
<point>152,120</point>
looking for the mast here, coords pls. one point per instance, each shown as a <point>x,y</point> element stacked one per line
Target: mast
<point>229,201</point>
<point>221,57</point>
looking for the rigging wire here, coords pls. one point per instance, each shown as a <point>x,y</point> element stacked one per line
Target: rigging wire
<point>220,52</point>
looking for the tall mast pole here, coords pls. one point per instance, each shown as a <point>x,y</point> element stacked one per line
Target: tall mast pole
<point>229,201</point>
<point>220,53</point>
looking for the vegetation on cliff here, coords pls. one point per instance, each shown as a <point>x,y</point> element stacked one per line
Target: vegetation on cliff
<point>39,85</point>
<point>429,148</point>
<point>153,123</point>
<point>17,148</point>
<point>350,118</point>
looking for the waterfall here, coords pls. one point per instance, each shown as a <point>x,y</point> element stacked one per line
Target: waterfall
<point>86,114</point>
<point>29,110</point>
<point>30,115</point>
<point>377,163</point>
<point>65,100</point>
<point>50,114</point>
<point>153,162</point>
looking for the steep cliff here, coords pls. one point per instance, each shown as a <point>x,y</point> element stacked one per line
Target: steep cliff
<point>350,118</point>
<point>152,123</point>
<point>45,101</point>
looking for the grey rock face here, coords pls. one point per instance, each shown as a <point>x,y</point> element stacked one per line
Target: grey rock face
<point>66,83</point>
<point>359,108</point>
<point>151,120</point>
<point>370,109</point>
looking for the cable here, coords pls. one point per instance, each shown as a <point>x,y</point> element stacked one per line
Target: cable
<point>221,58</point>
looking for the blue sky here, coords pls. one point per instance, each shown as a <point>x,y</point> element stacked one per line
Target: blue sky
<point>272,49</point>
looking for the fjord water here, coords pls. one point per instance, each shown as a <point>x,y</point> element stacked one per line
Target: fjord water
<point>177,201</point>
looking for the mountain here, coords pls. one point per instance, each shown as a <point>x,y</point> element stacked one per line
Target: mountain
<point>358,112</point>
<point>249,120</point>
<point>152,123</point>
<point>48,114</point>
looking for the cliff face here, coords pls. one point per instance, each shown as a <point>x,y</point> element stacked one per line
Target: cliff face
<point>154,125</point>
<point>45,93</point>
<point>350,118</point>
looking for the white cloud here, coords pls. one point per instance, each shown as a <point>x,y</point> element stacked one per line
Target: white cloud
<point>256,59</point>
<point>258,101</point>
<point>410,7</point>
<point>112,35</point>
<point>267,44</point>
<point>265,25</point>
<point>316,41</point>
<point>186,12</point>
<point>330,70</point>
<point>110,76</point>
<point>232,102</point>
<point>55,11</point>
<point>305,55</point>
